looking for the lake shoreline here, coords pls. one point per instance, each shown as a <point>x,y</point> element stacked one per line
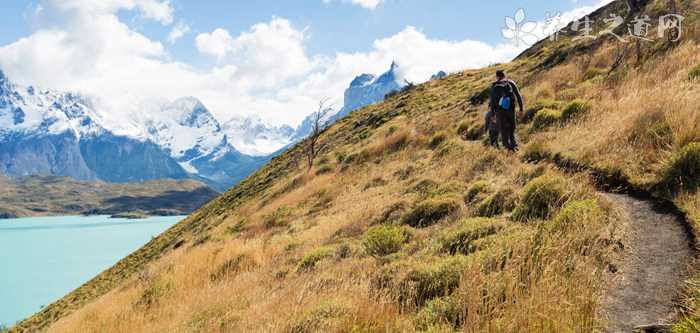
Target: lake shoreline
<point>47,257</point>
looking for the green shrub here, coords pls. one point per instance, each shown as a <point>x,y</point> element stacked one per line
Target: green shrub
<point>439,313</point>
<point>496,204</point>
<point>318,319</point>
<point>437,139</point>
<point>430,212</point>
<point>424,187</point>
<point>323,169</point>
<point>381,241</point>
<point>575,109</point>
<point>154,292</point>
<point>540,105</point>
<point>476,189</point>
<point>461,240</point>
<point>392,213</point>
<point>422,284</point>
<point>278,218</point>
<point>694,73</point>
<point>540,198</point>
<point>536,151</point>
<point>682,172</point>
<point>575,212</point>
<point>474,132</point>
<point>546,118</point>
<point>309,261</point>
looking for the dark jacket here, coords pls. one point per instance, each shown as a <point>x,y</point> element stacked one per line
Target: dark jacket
<point>498,90</point>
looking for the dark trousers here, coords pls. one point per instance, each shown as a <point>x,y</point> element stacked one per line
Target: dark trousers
<point>493,136</point>
<point>506,125</point>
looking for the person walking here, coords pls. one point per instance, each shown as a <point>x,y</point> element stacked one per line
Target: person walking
<point>504,94</point>
<point>491,126</point>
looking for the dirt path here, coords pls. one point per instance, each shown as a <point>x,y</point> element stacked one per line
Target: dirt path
<point>658,254</point>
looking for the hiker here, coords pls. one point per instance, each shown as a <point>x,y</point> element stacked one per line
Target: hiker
<point>491,127</point>
<point>504,93</point>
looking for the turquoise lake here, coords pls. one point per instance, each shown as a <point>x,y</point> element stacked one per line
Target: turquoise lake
<point>43,259</point>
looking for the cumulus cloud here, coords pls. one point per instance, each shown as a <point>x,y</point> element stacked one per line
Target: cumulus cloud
<point>178,31</point>
<point>369,4</point>
<point>158,10</point>
<point>217,43</point>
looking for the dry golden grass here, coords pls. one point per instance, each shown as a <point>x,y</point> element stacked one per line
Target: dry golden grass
<point>516,279</point>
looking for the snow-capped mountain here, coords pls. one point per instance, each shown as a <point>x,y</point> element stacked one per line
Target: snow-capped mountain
<point>196,140</point>
<point>51,133</point>
<point>30,111</point>
<point>252,136</point>
<point>364,90</point>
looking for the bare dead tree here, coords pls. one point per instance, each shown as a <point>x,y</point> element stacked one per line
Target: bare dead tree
<point>313,147</point>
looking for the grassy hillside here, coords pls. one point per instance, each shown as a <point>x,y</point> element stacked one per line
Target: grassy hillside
<point>409,223</point>
<point>41,196</point>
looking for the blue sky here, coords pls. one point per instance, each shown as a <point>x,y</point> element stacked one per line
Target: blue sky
<point>265,58</point>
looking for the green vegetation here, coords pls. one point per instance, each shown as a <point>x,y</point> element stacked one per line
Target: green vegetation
<point>546,118</point>
<point>441,314</point>
<point>430,212</point>
<point>540,105</point>
<point>425,283</point>
<point>476,189</point>
<point>574,212</point>
<point>319,319</point>
<point>156,290</point>
<point>438,139</point>
<point>575,109</point>
<point>324,169</point>
<point>694,73</point>
<point>535,151</point>
<point>461,240</point>
<point>541,198</point>
<point>278,218</point>
<point>496,204</point>
<point>309,261</point>
<point>381,241</point>
<point>683,171</point>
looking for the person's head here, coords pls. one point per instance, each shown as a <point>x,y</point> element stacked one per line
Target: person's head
<point>500,75</point>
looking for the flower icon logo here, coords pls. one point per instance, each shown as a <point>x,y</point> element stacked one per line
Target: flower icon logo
<point>519,30</point>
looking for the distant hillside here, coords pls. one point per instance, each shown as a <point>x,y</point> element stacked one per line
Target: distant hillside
<point>41,196</point>
<point>407,222</point>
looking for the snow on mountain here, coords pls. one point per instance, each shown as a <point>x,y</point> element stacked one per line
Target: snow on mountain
<point>30,111</point>
<point>186,129</point>
<point>364,90</point>
<point>252,136</point>
<point>46,132</point>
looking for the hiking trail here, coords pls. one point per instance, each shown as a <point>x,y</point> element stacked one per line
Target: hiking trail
<point>642,294</point>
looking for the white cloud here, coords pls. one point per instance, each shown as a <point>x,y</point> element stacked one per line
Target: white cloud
<point>178,31</point>
<point>217,43</point>
<point>369,4</point>
<point>158,10</point>
<point>265,56</point>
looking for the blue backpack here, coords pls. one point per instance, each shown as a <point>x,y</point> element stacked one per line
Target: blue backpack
<point>505,91</point>
<point>505,102</point>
